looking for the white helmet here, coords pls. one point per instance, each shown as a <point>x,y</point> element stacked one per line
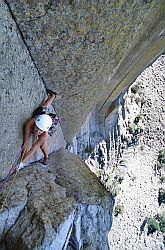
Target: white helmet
<point>43,122</point>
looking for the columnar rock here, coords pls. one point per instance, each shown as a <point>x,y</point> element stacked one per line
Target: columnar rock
<point>88,49</point>
<point>63,206</point>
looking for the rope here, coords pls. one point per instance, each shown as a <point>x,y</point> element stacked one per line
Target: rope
<point>6,178</point>
<point>12,183</point>
<point>14,164</point>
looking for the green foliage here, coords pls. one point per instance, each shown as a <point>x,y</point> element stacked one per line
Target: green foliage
<point>162,179</point>
<point>162,151</point>
<point>161,156</point>
<point>160,165</point>
<point>157,223</point>
<point>138,118</point>
<point>153,226</point>
<point>161,218</point>
<point>114,193</point>
<point>119,209</point>
<point>132,127</point>
<point>161,159</point>
<point>135,129</point>
<point>135,88</point>
<point>161,197</point>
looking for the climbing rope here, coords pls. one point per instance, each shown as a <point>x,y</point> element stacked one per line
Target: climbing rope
<point>14,164</point>
<point>23,148</point>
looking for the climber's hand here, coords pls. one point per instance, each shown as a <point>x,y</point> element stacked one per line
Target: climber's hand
<point>50,92</point>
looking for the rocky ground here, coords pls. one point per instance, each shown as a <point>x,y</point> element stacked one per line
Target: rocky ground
<point>140,187</point>
<point>139,197</point>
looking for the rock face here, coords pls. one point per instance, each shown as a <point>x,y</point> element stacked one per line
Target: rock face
<point>63,206</point>
<point>22,90</point>
<point>82,45</point>
<point>106,154</point>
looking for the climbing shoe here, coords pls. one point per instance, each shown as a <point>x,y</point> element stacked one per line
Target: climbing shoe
<point>44,161</point>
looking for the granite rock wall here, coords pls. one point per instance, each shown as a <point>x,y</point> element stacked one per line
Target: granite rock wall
<point>89,51</point>
<point>22,90</point>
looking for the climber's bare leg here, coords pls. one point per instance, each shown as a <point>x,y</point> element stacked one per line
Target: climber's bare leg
<point>27,130</point>
<point>44,149</point>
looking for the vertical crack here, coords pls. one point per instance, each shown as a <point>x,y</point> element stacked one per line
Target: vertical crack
<point>23,39</point>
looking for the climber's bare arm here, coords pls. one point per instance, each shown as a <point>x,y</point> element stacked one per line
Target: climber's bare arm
<point>49,101</point>
<point>42,139</point>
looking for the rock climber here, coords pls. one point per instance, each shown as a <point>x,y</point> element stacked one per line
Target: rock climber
<point>39,125</point>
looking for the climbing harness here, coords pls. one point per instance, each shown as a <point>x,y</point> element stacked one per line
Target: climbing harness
<point>55,121</point>
<point>22,149</point>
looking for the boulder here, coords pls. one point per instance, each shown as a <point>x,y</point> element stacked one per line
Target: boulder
<point>61,206</point>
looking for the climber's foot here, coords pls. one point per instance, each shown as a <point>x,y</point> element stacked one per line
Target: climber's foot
<point>44,161</point>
